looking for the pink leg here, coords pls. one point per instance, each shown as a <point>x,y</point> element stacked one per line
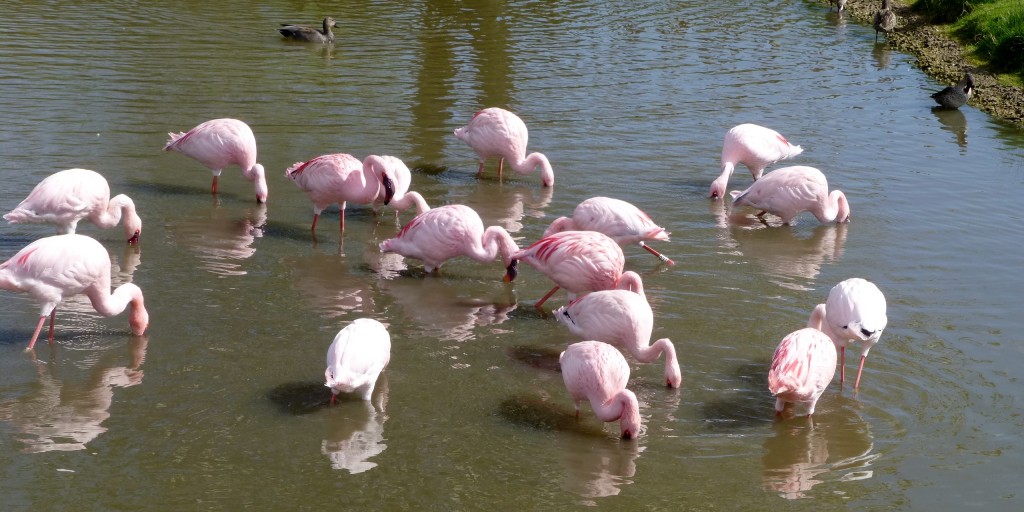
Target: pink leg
<point>333,398</point>
<point>480,170</point>
<point>660,256</point>
<point>501,165</point>
<point>35,335</point>
<point>842,365</point>
<point>215,184</point>
<point>546,297</point>
<point>856,384</point>
<point>53,314</point>
<point>313,229</point>
<point>343,222</point>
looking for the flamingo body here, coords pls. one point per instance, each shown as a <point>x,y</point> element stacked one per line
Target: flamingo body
<point>620,220</point>
<point>597,372</point>
<point>60,266</point>
<point>64,198</point>
<point>496,132</point>
<point>855,312</point>
<point>309,34</point>
<point>449,231</point>
<point>802,367</point>
<point>754,146</point>
<point>356,357</point>
<point>624,319</point>
<point>789,191</point>
<point>219,143</point>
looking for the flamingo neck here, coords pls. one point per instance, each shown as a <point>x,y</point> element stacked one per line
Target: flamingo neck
<point>120,207</point>
<point>622,406</point>
<point>630,281</point>
<point>560,224</point>
<point>497,241</point>
<point>836,208</point>
<point>530,164</point>
<point>110,304</point>
<point>408,200</point>
<point>258,176</point>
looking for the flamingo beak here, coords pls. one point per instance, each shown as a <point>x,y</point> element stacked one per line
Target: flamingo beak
<point>512,271</point>
<point>389,189</point>
<point>134,240</point>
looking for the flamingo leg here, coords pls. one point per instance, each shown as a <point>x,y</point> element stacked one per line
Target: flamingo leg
<point>313,228</point>
<point>546,297</point>
<point>480,170</point>
<point>215,184</point>
<point>842,365</point>
<point>35,335</point>
<point>660,256</point>
<point>343,221</point>
<point>501,165</point>
<point>53,314</point>
<point>856,384</point>
<point>334,398</point>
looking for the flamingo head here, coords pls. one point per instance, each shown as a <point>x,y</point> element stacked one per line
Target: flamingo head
<point>389,188</point>
<point>717,190</point>
<point>630,419</point>
<point>134,239</point>
<point>511,271</point>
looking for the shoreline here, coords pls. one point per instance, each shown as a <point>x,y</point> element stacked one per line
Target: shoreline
<point>942,58</point>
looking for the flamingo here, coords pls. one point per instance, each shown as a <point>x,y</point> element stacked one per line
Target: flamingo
<point>579,261</point>
<point>622,221</point>
<point>340,177</point>
<point>754,146</point>
<point>622,318</point>
<point>59,266</point>
<point>596,371</point>
<point>789,191</point>
<point>443,233</point>
<point>401,178</point>
<point>219,143</point>
<point>64,198</point>
<point>356,357</point>
<point>309,34</point>
<point>884,20</point>
<point>498,132</point>
<point>853,313</point>
<point>802,367</point>
<point>955,96</point>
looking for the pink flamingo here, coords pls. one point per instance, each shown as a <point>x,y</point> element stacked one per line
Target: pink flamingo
<point>802,367</point>
<point>789,191</point>
<point>579,261</point>
<point>622,318</point>
<point>64,198</point>
<point>219,143</point>
<point>754,146</point>
<point>446,232</point>
<point>622,221</point>
<point>498,132</point>
<point>596,371</point>
<point>55,267</point>
<point>340,178</point>
<point>356,357</point>
<point>853,313</point>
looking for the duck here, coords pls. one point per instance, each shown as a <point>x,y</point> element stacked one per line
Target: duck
<point>309,34</point>
<point>955,96</point>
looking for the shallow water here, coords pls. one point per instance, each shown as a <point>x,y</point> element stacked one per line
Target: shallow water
<point>221,405</point>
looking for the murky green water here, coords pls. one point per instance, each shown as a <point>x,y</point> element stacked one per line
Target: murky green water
<point>220,406</point>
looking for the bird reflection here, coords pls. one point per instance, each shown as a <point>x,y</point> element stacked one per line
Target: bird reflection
<point>782,252</point>
<point>221,239</point>
<point>597,469</point>
<point>953,120</point>
<point>443,308</point>
<point>504,204</point>
<point>330,285</point>
<point>61,415</point>
<point>836,447</point>
<point>357,431</point>
<point>883,56</point>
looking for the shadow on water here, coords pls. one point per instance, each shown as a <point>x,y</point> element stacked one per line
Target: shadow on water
<point>749,404</point>
<point>537,413</point>
<point>542,358</point>
<point>300,398</point>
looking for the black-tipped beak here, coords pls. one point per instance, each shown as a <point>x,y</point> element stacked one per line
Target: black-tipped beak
<point>511,271</point>
<point>389,189</point>
<point>135,238</point>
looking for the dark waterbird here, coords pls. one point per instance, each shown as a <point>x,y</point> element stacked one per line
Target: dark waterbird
<point>309,34</point>
<point>885,20</point>
<point>955,96</point>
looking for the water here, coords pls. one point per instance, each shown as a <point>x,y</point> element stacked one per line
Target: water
<point>221,405</point>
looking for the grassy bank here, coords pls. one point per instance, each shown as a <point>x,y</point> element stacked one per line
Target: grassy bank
<point>992,30</point>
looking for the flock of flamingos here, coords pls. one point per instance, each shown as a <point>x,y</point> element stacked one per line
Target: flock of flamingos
<point>581,254</point>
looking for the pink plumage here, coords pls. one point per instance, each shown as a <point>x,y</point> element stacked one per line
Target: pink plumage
<point>622,318</point>
<point>597,372</point>
<point>754,146</point>
<point>496,132</point>
<point>356,357</point>
<point>219,143</point>
<point>449,231</point>
<point>622,221</point>
<point>579,262</point>
<point>855,312</point>
<point>60,266</point>
<point>802,367</point>
<point>789,191</point>
<point>64,198</point>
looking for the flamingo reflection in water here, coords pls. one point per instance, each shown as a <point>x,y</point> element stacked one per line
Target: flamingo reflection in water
<point>596,469</point>
<point>221,238</point>
<point>61,415</point>
<point>449,309</point>
<point>357,432</point>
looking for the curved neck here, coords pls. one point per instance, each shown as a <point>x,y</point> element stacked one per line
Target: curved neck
<point>835,208</point>
<point>119,205</point>
<point>530,164</point>
<point>630,281</point>
<point>408,200</point>
<point>257,175</point>
<point>497,241</point>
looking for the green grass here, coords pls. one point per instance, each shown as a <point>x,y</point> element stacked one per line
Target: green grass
<point>996,34</point>
<point>948,11</point>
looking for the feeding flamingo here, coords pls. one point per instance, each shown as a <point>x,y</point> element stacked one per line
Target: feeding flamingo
<point>64,198</point>
<point>597,372</point>
<point>622,221</point>
<point>356,357</point>
<point>789,191</point>
<point>498,132</point>
<point>401,179</point>
<point>443,233</point>
<point>579,261</point>
<point>219,143</point>
<point>853,313</point>
<point>622,318</point>
<point>802,367</point>
<point>754,146</point>
<point>309,34</point>
<point>59,266</point>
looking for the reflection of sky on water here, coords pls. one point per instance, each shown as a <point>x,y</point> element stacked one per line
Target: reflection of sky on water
<point>357,431</point>
<point>222,239</point>
<point>62,415</point>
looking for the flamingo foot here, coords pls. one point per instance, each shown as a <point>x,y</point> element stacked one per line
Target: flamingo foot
<point>660,256</point>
